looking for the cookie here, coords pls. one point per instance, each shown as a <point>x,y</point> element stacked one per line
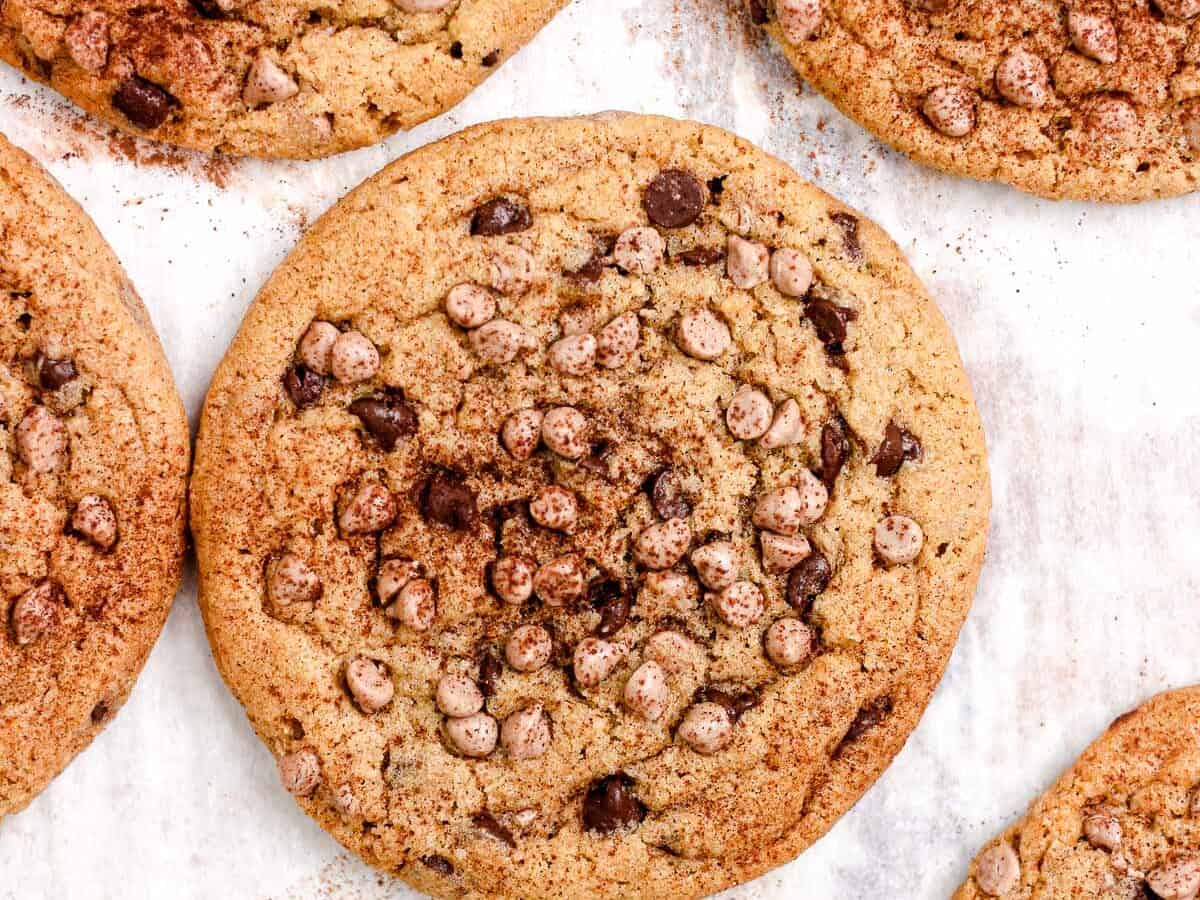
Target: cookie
<point>587,507</point>
<point>1094,100</point>
<point>1122,822</point>
<point>93,461</point>
<point>267,79</point>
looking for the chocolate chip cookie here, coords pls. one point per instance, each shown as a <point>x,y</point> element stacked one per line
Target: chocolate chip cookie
<point>1122,823</point>
<point>93,458</point>
<point>1090,99</point>
<point>275,78</point>
<point>587,507</point>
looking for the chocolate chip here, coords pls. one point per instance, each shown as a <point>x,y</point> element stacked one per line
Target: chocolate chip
<point>701,256</point>
<point>490,670</point>
<point>208,9</point>
<point>485,821</point>
<point>613,600</point>
<point>758,12</point>
<point>674,199</point>
<point>716,186</point>
<point>388,419</point>
<point>835,450</point>
<point>99,713</point>
<point>439,864</point>
<point>666,495</point>
<point>610,805</point>
<point>144,104</point>
<point>54,373</point>
<point>589,272</point>
<point>449,502</point>
<point>849,226</point>
<point>456,50</point>
<point>491,59</point>
<point>736,704</point>
<point>870,715</point>
<point>596,462</point>
<point>500,216</point>
<point>830,321</point>
<point>898,445</point>
<point>303,385</point>
<point>807,581</point>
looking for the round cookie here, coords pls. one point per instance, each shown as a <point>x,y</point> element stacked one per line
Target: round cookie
<point>587,507</point>
<point>1089,99</point>
<point>267,78</point>
<point>93,462</point>
<point>1123,822</point>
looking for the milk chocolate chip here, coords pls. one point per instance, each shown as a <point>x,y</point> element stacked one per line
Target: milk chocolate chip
<point>870,715</point>
<point>500,216</point>
<point>610,805</point>
<point>387,419</point>
<point>898,445</point>
<point>849,227</point>
<point>674,199</point>
<point>449,502</point>
<point>835,450</point>
<point>666,495</point>
<point>144,104</point>
<point>829,320</point>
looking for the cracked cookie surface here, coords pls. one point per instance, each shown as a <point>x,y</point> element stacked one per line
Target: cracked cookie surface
<point>587,507</point>
<point>1087,99</point>
<point>267,78</point>
<point>93,457</point>
<point>1122,823</point>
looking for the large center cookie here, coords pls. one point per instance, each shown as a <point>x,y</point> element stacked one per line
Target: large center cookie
<point>93,457</point>
<point>1123,823</point>
<point>266,77</point>
<point>587,508</point>
<point>1098,99</point>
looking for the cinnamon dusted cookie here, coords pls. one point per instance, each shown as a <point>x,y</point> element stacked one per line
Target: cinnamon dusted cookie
<point>269,78</point>
<point>587,508</point>
<point>1089,99</point>
<point>1122,823</point>
<point>93,457</point>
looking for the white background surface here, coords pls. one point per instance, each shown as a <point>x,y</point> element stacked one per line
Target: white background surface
<point>1079,325</point>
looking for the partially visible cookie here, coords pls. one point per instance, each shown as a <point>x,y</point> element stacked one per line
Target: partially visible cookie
<point>267,78</point>
<point>587,508</point>
<point>93,459</point>
<point>1122,823</point>
<point>1092,99</point>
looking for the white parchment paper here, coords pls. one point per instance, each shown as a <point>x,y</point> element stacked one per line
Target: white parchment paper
<point>1079,325</point>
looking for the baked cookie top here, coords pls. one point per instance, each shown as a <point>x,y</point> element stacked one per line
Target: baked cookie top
<point>1090,99</point>
<point>587,507</point>
<point>267,78</point>
<point>1122,823</point>
<point>93,460</point>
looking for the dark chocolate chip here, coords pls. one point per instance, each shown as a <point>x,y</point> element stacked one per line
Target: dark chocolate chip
<point>835,450</point>
<point>439,864</point>
<point>54,373</point>
<point>807,581</point>
<point>500,216</point>
<point>849,226</point>
<point>144,104</point>
<point>490,670</point>
<point>610,805</point>
<point>387,419</point>
<point>614,602</point>
<point>701,256</point>
<point>456,50</point>
<point>208,9</point>
<point>448,501</point>
<point>589,272</point>
<point>666,495</point>
<point>716,186</point>
<point>491,59</point>
<point>303,385</point>
<point>99,713</point>
<point>897,446</point>
<point>485,821</point>
<point>758,12</point>
<point>735,703</point>
<point>674,199</point>
<point>870,715</point>
<point>830,321</point>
